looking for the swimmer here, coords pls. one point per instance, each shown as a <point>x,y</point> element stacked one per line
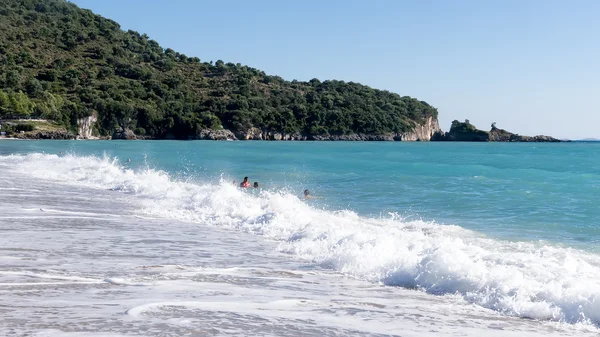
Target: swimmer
<point>255,184</point>
<point>245,183</point>
<point>307,195</point>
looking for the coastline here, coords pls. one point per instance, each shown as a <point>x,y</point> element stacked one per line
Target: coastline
<point>426,135</point>
<point>299,140</point>
<point>429,130</point>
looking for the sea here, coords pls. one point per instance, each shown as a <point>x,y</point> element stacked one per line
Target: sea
<point>155,238</point>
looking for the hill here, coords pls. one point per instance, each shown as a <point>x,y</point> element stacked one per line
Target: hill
<point>68,65</point>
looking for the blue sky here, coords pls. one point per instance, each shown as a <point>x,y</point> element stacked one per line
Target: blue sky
<point>531,66</point>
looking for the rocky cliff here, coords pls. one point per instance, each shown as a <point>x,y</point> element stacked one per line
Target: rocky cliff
<point>125,134</point>
<point>207,134</point>
<point>85,127</point>
<point>420,132</point>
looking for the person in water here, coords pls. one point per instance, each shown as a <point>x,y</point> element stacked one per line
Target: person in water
<point>245,183</point>
<point>255,184</point>
<point>307,194</point>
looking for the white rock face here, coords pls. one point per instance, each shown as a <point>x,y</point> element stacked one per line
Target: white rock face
<point>422,132</point>
<point>85,127</point>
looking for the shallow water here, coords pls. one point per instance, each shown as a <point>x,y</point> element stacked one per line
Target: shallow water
<point>407,239</point>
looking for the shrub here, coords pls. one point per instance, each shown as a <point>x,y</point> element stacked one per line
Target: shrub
<point>24,127</point>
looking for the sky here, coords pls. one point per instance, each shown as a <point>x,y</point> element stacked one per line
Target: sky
<point>531,66</point>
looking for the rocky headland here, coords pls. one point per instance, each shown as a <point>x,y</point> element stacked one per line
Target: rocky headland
<point>467,132</point>
<point>86,78</point>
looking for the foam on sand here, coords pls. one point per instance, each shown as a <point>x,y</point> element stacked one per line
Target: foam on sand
<point>523,279</point>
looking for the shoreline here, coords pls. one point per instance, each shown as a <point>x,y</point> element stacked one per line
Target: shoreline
<point>430,135</point>
<point>131,233</point>
<point>293,141</point>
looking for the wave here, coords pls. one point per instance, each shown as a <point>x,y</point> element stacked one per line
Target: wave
<point>525,279</point>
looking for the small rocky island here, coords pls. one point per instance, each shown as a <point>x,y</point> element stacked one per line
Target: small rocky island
<point>467,132</point>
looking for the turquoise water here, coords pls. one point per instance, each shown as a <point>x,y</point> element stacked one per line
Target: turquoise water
<point>508,191</point>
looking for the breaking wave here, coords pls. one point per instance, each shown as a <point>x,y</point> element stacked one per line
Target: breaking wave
<point>524,279</point>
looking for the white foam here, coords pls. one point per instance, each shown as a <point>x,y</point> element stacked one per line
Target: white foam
<point>124,282</point>
<point>29,284</point>
<point>524,279</point>
<point>48,276</point>
<point>60,333</point>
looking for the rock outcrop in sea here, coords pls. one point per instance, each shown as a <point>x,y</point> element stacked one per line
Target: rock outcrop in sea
<point>125,134</point>
<point>467,132</point>
<point>208,134</point>
<point>501,135</point>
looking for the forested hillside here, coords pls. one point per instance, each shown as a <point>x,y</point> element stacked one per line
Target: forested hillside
<point>63,63</point>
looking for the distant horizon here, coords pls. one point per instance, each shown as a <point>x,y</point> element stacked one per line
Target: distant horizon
<point>528,66</point>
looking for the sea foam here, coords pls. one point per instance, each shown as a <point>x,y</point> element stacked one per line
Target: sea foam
<point>524,279</point>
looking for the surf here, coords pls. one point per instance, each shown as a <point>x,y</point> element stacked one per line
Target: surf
<point>535,280</point>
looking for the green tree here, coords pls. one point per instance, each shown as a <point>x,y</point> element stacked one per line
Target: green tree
<point>20,104</point>
<point>13,79</point>
<point>4,104</point>
<point>33,87</point>
<point>50,106</point>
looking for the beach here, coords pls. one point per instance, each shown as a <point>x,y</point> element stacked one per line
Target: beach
<point>165,245</point>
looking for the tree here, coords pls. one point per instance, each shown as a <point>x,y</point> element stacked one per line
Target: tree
<point>12,79</point>
<point>4,104</point>
<point>20,104</point>
<point>33,87</point>
<point>50,106</point>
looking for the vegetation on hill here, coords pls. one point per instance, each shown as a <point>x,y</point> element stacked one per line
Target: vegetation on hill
<point>63,63</point>
<point>35,129</point>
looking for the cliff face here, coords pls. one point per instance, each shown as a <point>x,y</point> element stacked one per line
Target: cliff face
<point>422,132</point>
<point>207,134</point>
<point>125,134</point>
<point>85,127</point>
